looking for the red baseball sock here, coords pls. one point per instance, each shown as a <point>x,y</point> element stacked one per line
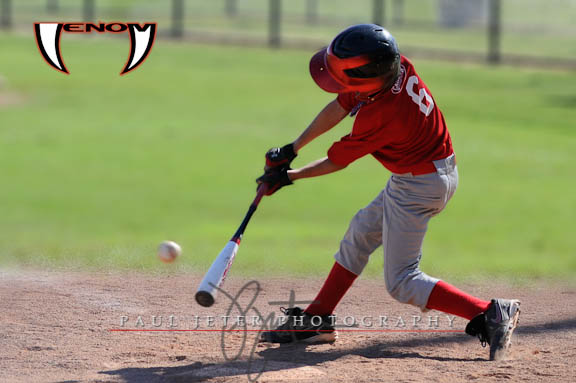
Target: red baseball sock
<point>337,284</point>
<point>449,299</point>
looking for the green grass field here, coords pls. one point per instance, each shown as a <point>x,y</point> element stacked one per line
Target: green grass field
<point>97,169</point>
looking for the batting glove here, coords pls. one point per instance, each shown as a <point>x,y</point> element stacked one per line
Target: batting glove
<point>275,179</point>
<point>277,157</point>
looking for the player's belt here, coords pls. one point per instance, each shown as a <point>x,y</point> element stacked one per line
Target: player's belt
<point>445,165</point>
<point>441,166</point>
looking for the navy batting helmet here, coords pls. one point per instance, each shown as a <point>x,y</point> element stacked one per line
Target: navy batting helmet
<point>362,58</point>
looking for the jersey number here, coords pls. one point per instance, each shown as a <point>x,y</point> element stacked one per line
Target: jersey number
<point>418,98</point>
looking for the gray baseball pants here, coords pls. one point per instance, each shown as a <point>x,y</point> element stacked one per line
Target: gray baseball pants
<point>398,219</point>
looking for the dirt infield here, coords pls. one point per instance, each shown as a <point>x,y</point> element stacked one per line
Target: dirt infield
<point>56,327</point>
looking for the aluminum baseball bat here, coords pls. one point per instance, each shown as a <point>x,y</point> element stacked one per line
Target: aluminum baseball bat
<point>214,278</point>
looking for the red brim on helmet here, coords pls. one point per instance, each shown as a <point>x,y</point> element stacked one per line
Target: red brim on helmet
<point>321,74</point>
<point>328,71</point>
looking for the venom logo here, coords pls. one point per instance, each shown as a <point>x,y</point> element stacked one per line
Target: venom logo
<point>141,40</point>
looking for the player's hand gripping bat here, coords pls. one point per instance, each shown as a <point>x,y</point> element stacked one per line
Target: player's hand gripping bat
<point>214,278</point>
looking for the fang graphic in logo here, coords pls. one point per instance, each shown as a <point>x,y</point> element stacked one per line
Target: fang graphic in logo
<point>141,40</point>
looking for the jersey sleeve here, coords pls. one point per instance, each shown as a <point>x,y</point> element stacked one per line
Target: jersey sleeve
<point>350,148</point>
<point>347,101</point>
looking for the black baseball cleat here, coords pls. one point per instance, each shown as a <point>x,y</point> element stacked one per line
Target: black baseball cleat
<point>301,327</point>
<point>496,325</point>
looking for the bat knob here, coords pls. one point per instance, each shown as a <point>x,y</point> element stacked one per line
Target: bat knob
<point>204,298</point>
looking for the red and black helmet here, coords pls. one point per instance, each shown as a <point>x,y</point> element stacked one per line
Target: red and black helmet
<point>363,58</point>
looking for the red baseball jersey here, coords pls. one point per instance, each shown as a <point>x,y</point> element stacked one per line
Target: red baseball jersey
<point>402,128</point>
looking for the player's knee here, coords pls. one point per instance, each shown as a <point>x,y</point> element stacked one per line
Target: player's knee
<point>399,288</point>
<point>394,290</point>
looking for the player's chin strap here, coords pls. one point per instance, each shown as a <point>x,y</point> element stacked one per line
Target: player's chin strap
<point>356,109</point>
<point>365,98</point>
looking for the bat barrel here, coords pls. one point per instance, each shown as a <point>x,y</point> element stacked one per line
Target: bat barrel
<point>204,298</point>
<point>206,293</point>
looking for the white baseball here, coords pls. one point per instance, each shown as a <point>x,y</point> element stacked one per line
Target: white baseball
<point>168,251</point>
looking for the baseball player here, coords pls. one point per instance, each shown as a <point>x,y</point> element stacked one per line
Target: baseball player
<point>398,122</point>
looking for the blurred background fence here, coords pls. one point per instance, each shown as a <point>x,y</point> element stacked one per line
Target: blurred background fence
<point>527,32</point>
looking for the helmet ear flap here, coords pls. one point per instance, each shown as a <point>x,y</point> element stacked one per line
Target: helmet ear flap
<point>395,67</point>
<point>383,67</point>
<point>393,73</point>
<point>385,64</point>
